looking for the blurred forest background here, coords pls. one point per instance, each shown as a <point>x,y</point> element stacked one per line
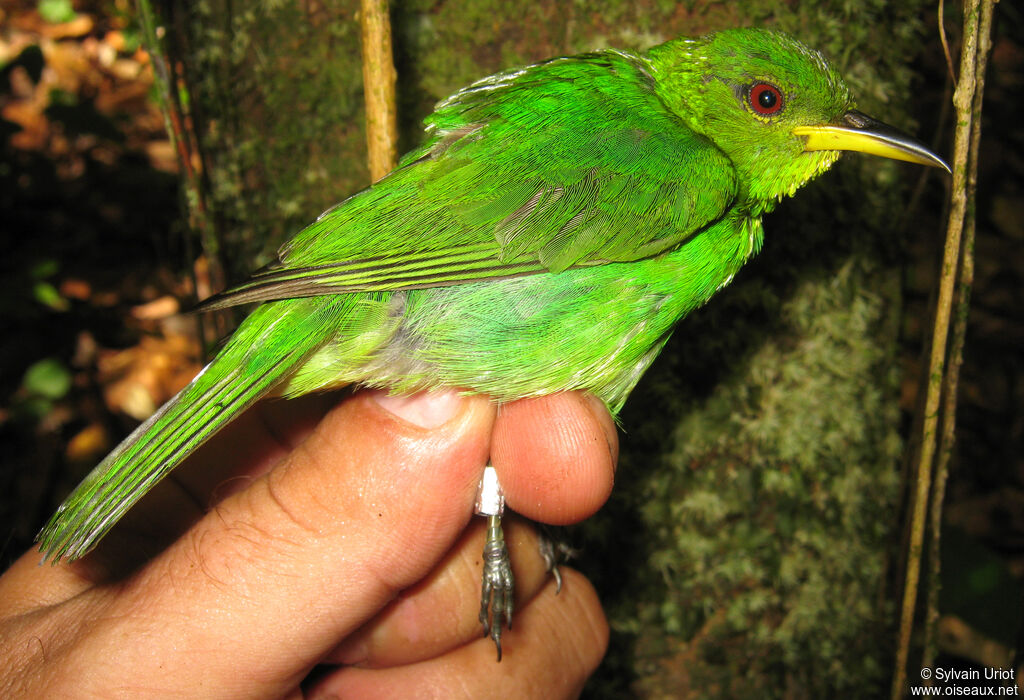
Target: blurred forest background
<point>754,539</point>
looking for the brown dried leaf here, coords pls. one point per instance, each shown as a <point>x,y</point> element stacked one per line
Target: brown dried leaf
<point>157,309</point>
<point>140,378</point>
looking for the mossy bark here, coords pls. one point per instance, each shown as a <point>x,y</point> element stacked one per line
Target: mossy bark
<point>757,494</point>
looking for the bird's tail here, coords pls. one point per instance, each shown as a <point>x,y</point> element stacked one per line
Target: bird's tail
<point>235,380</point>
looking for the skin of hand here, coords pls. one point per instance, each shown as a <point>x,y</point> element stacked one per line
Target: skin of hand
<point>321,549</point>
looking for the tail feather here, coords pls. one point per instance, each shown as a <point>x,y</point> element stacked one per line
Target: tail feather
<point>185,422</point>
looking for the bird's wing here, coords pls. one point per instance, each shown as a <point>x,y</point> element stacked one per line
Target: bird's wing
<point>566,163</point>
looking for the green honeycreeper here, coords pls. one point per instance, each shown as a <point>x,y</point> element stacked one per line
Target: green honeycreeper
<point>556,223</point>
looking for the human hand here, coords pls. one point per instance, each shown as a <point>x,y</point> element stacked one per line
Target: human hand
<point>335,561</point>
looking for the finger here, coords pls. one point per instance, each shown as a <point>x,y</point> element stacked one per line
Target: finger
<point>556,644</point>
<point>281,571</point>
<point>26,585</point>
<point>251,445</point>
<point>244,449</point>
<point>555,456</point>
<point>440,613</point>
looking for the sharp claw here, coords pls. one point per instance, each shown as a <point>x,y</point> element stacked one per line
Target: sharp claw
<point>550,557</point>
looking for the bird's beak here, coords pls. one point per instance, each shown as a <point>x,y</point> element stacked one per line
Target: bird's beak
<point>857,131</point>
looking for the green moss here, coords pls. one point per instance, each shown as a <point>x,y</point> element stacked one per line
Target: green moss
<point>280,88</point>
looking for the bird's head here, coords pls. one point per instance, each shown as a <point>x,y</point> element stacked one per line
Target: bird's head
<point>774,106</point>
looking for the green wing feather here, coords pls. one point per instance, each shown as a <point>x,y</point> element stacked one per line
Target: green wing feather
<point>248,367</point>
<point>568,163</point>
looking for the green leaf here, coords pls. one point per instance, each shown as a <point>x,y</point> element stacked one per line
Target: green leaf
<point>56,11</point>
<point>48,378</point>
<point>46,294</point>
<point>132,39</point>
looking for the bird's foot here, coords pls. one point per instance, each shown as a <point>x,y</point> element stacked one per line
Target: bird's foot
<point>497,590</point>
<point>496,595</point>
<point>552,553</point>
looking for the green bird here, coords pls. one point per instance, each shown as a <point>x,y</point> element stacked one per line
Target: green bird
<point>554,226</point>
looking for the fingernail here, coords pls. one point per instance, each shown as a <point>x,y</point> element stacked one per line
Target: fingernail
<point>426,409</point>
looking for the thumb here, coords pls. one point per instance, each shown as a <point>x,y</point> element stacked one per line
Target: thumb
<point>363,508</point>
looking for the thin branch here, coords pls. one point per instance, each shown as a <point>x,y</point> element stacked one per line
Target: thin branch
<point>379,88</point>
<point>963,101</point>
<point>961,307</point>
<point>178,126</point>
<point>945,42</point>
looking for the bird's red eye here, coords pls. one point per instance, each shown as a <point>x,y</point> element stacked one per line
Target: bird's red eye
<point>765,99</point>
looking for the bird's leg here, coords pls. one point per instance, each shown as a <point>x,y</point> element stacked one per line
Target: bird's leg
<point>496,596</point>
